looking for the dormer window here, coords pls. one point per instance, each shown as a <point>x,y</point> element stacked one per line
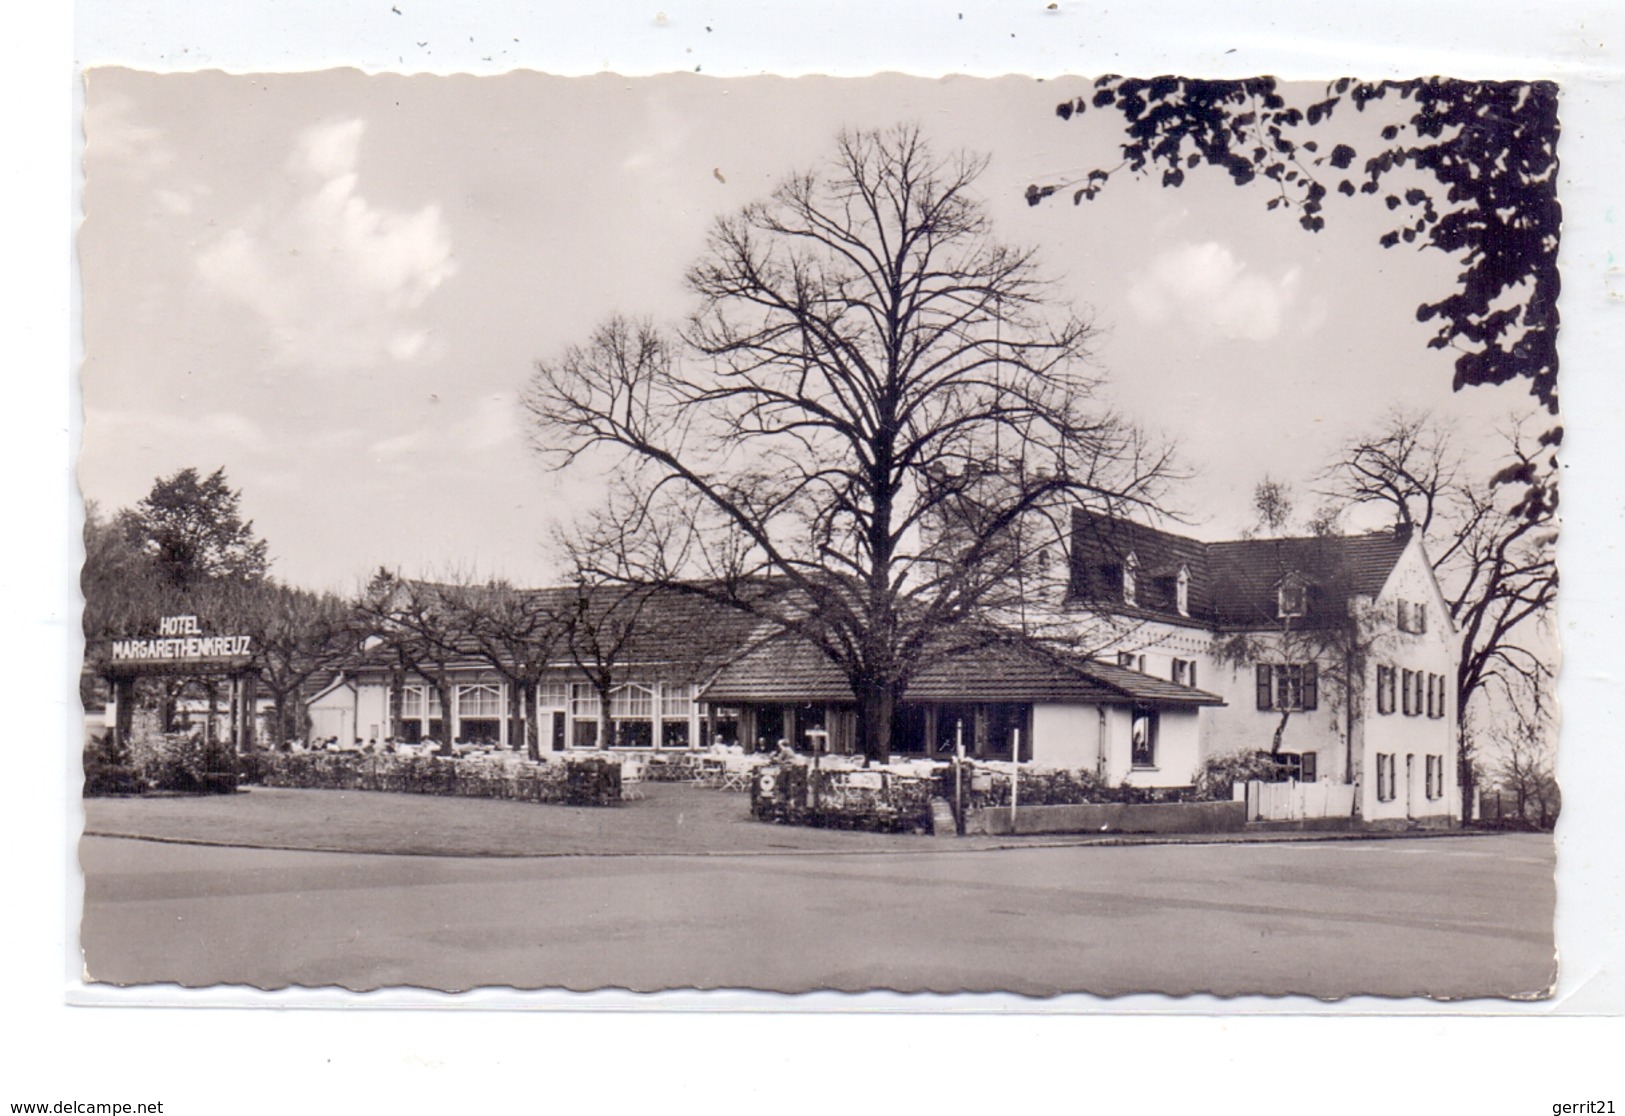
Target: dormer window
<point>1182,592</point>
<point>1131,589</point>
<point>1292,598</point>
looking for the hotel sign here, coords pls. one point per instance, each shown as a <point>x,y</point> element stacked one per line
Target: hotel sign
<point>181,640</point>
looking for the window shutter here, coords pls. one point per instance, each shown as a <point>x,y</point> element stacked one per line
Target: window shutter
<point>1401,618</point>
<point>1405,692</point>
<point>1430,694</point>
<point>1311,685</point>
<point>1421,616</point>
<point>1309,773</point>
<point>1192,671</point>
<point>1264,701</point>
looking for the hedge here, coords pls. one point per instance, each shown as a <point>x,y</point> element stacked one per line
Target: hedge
<point>589,781</point>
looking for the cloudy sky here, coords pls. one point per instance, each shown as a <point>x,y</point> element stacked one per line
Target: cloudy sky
<point>334,285</point>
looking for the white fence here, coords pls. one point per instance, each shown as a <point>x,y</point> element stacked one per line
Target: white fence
<point>1295,801</point>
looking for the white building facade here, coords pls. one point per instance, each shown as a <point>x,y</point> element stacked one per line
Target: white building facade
<point>1342,645</point>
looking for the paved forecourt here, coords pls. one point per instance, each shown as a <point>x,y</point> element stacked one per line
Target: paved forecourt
<point>1450,917</point>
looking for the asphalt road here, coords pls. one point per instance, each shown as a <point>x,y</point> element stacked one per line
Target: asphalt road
<point>1446,917</point>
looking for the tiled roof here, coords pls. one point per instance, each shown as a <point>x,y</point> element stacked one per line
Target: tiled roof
<point>1232,584</point>
<point>1246,574</point>
<point>790,669</point>
<point>685,631</point>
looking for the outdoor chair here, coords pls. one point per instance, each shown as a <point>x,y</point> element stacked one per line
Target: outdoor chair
<point>709,771</point>
<point>737,773</point>
<point>632,779</point>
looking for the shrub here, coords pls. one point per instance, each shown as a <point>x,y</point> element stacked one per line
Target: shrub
<point>1038,787</point>
<point>182,762</point>
<point>111,778</point>
<point>108,769</point>
<point>1222,772</point>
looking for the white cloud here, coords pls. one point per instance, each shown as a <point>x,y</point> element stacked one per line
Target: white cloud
<point>336,280</point>
<point>490,422</point>
<point>1206,287</point>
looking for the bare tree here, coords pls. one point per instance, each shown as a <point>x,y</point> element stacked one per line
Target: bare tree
<point>877,407</point>
<point>413,619</point>
<point>1492,550</point>
<point>1525,769</point>
<point>297,635</point>
<point>516,633</point>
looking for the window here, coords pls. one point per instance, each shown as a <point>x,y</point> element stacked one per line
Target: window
<point>1435,776</point>
<point>676,711</point>
<point>1184,672</point>
<point>418,702</point>
<point>583,702</point>
<point>1437,693</point>
<point>1385,776</point>
<point>631,711</point>
<point>479,712</point>
<point>479,701</point>
<point>1004,720</point>
<point>552,695</point>
<point>1407,704</point>
<point>584,706</point>
<point>1292,599</point>
<point>676,700</point>
<point>420,717</point>
<point>1288,686</point>
<point>1131,661</point>
<point>1413,616</point>
<point>1418,702</point>
<point>1182,593</point>
<point>1385,688</point>
<point>1131,569</point>
<point>1284,766</point>
<point>1143,738</point>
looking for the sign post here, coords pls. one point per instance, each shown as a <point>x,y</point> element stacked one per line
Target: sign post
<point>959,767</point>
<point>1015,771</point>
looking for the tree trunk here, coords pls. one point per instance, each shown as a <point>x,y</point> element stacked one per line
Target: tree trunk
<point>443,687</point>
<point>876,705</point>
<point>604,724</point>
<point>516,702</point>
<point>1466,779</point>
<point>533,724</point>
<point>1280,733</point>
<point>279,718</point>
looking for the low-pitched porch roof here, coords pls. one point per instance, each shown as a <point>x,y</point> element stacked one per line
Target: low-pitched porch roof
<point>793,670</point>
